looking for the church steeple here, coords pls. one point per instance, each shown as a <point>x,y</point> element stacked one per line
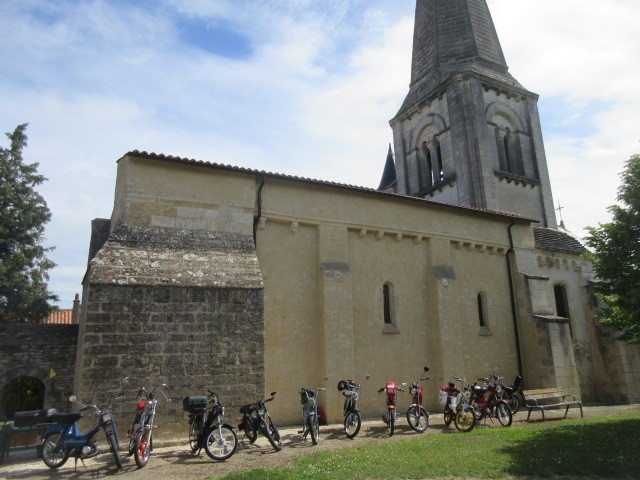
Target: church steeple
<point>468,133</point>
<point>453,36</point>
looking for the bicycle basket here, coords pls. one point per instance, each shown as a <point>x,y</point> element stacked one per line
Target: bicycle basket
<point>193,404</point>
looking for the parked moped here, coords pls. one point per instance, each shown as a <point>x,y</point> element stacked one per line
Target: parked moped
<point>141,433</point>
<point>487,401</point>
<point>256,418</point>
<point>417,415</point>
<point>218,439</point>
<point>352,419</point>
<point>63,439</point>
<point>310,420</point>
<point>389,417</point>
<point>513,394</point>
<point>456,405</point>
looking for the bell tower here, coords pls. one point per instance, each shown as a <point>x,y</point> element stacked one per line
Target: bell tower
<point>468,133</point>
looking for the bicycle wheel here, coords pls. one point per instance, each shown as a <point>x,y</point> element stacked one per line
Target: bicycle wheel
<point>465,419</point>
<point>193,435</point>
<point>113,443</point>
<point>220,445</point>
<point>448,416</point>
<point>270,431</point>
<point>516,403</point>
<point>352,424</point>
<point>418,418</point>
<point>391,418</point>
<point>503,412</point>
<point>143,447</point>
<point>314,428</point>
<point>52,455</point>
<point>478,411</point>
<point>249,429</point>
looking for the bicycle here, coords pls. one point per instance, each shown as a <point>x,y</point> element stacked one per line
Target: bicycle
<point>310,420</point>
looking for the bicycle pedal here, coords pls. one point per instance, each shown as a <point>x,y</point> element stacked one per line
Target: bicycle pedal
<point>300,431</point>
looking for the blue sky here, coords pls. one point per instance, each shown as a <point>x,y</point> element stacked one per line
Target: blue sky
<point>302,87</point>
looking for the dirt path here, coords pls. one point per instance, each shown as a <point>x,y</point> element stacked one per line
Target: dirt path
<point>173,460</point>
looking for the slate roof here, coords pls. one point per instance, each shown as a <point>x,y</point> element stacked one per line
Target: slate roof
<point>389,174</point>
<point>557,241</point>
<point>452,37</point>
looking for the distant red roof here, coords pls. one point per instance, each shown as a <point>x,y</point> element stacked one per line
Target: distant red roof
<point>63,316</point>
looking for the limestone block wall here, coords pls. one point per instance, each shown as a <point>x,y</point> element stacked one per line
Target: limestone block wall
<point>192,338</point>
<point>33,350</point>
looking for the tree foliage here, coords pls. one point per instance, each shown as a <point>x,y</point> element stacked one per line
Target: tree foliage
<point>23,214</point>
<point>616,257</point>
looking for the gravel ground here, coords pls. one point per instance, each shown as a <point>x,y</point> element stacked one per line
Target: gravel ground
<point>172,458</point>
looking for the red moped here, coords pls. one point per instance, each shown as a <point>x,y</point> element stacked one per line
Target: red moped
<point>389,417</point>
<point>417,415</point>
<point>487,401</point>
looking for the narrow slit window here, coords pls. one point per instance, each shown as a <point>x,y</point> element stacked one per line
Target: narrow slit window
<point>386,294</point>
<point>481,311</point>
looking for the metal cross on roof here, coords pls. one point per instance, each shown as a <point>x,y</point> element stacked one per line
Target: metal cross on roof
<point>559,209</point>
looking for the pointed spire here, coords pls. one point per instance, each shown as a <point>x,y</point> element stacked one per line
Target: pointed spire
<point>389,174</point>
<point>453,36</point>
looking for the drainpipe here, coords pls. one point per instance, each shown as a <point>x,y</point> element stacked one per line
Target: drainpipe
<point>514,315</point>
<point>256,220</point>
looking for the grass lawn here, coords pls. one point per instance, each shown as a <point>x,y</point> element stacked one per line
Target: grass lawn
<point>597,447</point>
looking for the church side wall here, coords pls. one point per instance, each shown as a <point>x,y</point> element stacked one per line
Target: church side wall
<point>325,260</point>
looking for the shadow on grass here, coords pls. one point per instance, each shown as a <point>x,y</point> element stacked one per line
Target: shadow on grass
<point>606,449</point>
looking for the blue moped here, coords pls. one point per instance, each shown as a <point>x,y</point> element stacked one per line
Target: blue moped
<point>64,439</point>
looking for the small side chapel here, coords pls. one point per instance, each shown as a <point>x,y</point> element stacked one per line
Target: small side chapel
<point>210,276</point>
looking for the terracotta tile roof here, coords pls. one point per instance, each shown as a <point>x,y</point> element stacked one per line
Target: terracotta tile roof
<point>64,316</point>
<point>557,241</point>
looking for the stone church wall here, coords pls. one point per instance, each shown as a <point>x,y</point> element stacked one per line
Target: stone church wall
<point>33,350</point>
<point>193,339</point>
<point>324,279</point>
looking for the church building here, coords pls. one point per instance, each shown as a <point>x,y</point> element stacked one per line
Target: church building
<point>210,276</point>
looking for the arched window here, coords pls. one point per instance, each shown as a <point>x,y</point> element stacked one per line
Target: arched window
<point>386,295</point>
<point>507,151</point>
<point>562,307</point>
<point>481,311</point>
<point>483,315</point>
<point>426,177</point>
<point>440,173</point>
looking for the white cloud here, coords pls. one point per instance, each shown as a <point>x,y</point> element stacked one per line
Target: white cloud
<point>96,79</point>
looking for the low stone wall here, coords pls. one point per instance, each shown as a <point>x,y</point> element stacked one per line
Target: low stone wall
<point>34,350</point>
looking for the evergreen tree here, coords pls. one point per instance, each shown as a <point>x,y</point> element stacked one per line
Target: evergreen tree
<point>616,257</point>
<point>23,214</point>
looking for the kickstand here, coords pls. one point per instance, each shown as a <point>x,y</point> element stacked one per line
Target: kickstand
<point>75,467</point>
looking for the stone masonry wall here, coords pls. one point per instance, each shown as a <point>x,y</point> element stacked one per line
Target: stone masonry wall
<point>192,338</point>
<point>33,350</point>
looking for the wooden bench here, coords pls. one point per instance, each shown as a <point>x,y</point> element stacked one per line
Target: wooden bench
<point>545,398</point>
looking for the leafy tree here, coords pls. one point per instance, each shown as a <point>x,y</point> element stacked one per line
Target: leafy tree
<point>616,257</point>
<point>23,214</point>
